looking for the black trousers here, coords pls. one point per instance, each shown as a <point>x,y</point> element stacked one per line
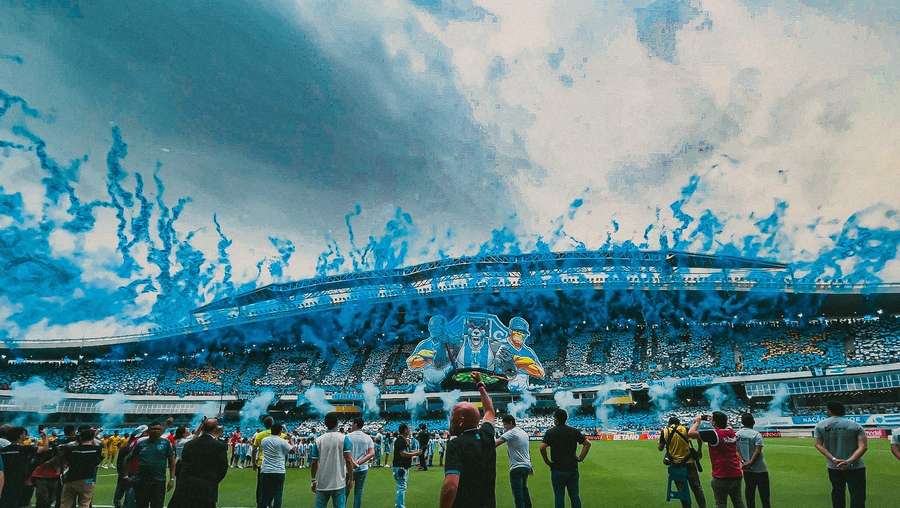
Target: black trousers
<point>46,490</point>
<point>853,480</point>
<point>754,481</point>
<point>271,489</point>
<point>122,486</point>
<point>149,493</point>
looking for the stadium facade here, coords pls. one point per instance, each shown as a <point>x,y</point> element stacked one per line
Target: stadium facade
<point>612,328</point>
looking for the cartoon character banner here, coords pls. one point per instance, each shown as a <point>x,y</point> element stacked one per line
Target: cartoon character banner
<point>476,341</point>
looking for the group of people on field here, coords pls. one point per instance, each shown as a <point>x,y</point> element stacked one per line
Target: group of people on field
<point>62,472</point>
<point>739,469</point>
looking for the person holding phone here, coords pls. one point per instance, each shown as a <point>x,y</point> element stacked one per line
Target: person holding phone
<point>402,463</point>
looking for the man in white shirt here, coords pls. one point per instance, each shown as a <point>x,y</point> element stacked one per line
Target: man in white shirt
<point>517,445</point>
<point>363,450</point>
<point>274,450</point>
<point>331,465</point>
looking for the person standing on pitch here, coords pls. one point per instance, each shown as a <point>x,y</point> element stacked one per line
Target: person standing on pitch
<point>82,459</point>
<point>756,474</point>
<point>723,454</point>
<point>423,438</point>
<point>154,455</point>
<point>470,470</point>
<point>274,450</point>
<point>363,449</point>
<point>895,443</point>
<point>681,454</point>
<point>843,443</point>
<point>202,466</point>
<point>402,463</point>
<point>519,460</point>
<point>563,441</point>
<point>331,465</point>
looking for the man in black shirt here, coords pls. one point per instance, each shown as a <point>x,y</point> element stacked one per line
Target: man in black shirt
<point>470,468</point>
<point>17,460</point>
<point>423,437</point>
<point>402,463</point>
<point>563,441</point>
<point>204,463</point>
<point>82,459</point>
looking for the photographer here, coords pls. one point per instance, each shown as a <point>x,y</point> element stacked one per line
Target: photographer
<point>680,453</point>
<point>723,454</point>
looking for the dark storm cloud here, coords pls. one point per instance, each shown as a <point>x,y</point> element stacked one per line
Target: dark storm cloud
<point>251,80</point>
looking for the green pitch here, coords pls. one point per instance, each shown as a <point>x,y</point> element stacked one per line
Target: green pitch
<point>615,474</point>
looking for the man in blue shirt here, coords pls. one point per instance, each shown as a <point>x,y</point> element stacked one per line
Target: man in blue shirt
<point>154,454</point>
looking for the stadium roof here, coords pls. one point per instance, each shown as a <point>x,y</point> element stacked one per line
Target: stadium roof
<point>659,261</point>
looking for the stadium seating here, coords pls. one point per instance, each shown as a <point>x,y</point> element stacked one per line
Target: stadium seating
<point>633,354</point>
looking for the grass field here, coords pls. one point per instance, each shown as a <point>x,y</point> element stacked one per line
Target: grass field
<point>616,474</point>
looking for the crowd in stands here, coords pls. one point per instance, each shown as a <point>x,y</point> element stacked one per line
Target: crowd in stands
<point>631,354</point>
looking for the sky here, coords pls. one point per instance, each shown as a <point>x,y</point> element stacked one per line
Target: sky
<point>433,128</point>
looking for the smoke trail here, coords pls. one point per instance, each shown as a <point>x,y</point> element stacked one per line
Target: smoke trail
<point>416,400</point>
<point>662,393</point>
<point>256,407</point>
<point>715,395</point>
<point>35,396</point>
<point>113,408</point>
<point>315,397</point>
<point>566,400</point>
<point>449,399</point>
<point>520,408</point>
<point>601,410</point>
<point>370,399</point>
<point>210,409</point>
<point>778,402</point>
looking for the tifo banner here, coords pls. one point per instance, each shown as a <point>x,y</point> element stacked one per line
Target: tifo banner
<point>476,341</point>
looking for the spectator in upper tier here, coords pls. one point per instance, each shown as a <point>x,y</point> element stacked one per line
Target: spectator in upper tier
<point>681,454</point>
<point>331,465</point>
<point>82,459</point>
<point>274,450</point>
<point>843,442</point>
<point>562,441</point>
<point>756,474</point>
<point>203,465</point>
<point>895,443</point>
<point>517,443</point>
<point>471,467</point>
<point>363,451</point>
<point>723,454</point>
<point>154,454</point>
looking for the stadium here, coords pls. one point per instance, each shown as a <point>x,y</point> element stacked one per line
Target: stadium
<point>451,253</point>
<point>786,348</point>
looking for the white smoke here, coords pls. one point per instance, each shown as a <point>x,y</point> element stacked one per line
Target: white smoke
<point>416,400</point>
<point>662,393</point>
<point>519,409</point>
<point>776,406</point>
<point>113,409</point>
<point>210,409</point>
<point>566,400</point>
<point>449,399</point>
<point>716,396</point>
<point>370,398</point>
<point>35,395</point>
<point>257,406</point>
<point>602,410</point>
<point>315,396</point>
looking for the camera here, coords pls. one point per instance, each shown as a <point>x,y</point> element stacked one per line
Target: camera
<point>705,418</point>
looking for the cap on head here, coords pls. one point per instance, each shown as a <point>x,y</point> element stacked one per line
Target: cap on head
<point>518,324</point>
<point>465,416</point>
